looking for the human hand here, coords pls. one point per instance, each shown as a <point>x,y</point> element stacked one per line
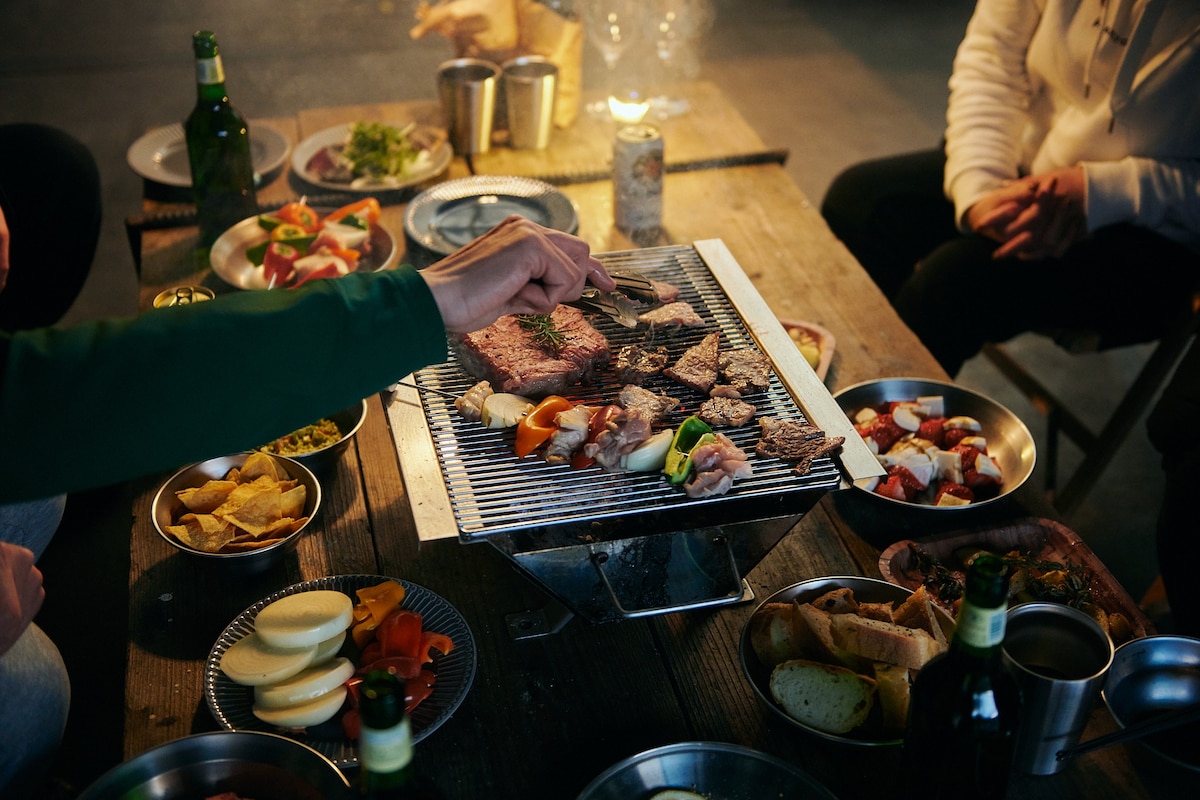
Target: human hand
<point>3,250</point>
<point>518,267</point>
<point>21,593</point>
<point>476,27</point>
<point>1040,216</point>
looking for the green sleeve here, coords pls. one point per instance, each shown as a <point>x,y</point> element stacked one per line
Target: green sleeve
<point>107,401</point>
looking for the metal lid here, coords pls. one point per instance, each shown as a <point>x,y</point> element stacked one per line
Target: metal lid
<point>642,132</point>
<point>182,296</point>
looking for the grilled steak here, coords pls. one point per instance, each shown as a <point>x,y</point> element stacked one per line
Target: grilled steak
<point>636,364</point>
<point>792,440</point>
<point>672,315</point>
<point>697,368</point>
<point>746,370</point>
<point>512,358</point>
<point>654,406</point>
<point>719,410</point>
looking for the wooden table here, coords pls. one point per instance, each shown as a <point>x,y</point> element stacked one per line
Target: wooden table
<point>546,715</point>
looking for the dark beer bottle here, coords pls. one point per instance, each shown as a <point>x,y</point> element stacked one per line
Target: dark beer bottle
<point>965,706</point>
<point>385,746</point>
<point>218,145</point>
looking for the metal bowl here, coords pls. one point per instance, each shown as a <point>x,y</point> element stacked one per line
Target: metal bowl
<point>167,507</point>
<point>869,590</point>
<point>1153,675</point>
<point>264,766</point>
<point>348,421</point>
<point>714,770</point>
<point>1009,441</point>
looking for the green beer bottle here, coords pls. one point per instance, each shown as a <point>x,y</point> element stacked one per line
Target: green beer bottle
<point>218,145</point>
<point>385,746</point>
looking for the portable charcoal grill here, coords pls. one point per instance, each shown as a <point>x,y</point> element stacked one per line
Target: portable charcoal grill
<point>612,546</point>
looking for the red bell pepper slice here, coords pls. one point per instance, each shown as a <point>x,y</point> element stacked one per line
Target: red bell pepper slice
<point>405,667</point>
<point>536,427</point>
<point>278,261</point>
<point>400,634</point>
<point>434,641</point>
<point>418,689</point>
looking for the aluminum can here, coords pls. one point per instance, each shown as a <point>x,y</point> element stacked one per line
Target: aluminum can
<point>182,296</point>
<point>638,179</point>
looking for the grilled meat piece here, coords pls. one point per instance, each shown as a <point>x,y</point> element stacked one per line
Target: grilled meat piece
<point>716,464</point>
<point>514,360</point>
<point>570,435</point>
<point>697,367</point>
<point>654,406</point>
<point>666,292</point>
<point>745,369</point>
<point>636,364</point>
<point>672,315</point>
<point>792,440</point>
<point>726,411</point>
<point>620,437</point>
<point>470,405</point>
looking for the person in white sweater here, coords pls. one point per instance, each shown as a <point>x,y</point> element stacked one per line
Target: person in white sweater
<point>1066,197</point>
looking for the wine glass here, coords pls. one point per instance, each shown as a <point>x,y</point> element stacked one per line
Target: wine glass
<point>677,28</point>
<point>614,26</point>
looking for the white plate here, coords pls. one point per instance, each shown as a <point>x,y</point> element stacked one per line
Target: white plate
<point>303,153</point>
<point>161,155</point>
<point>230,702</point>
<point>447,216</point>
<point>228,253</point>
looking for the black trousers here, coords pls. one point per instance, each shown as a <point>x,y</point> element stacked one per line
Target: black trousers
<point>50,193</point>
<point>1119,285</point>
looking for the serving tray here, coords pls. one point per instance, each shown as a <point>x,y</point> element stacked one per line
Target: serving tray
<point>1041,538</point>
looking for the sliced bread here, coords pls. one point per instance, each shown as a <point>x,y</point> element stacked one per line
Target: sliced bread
<point>773,634</point>
<point>815,630</point>
<point>894,683</point>
<point>883,641</point>
<point>826,697</point>
<point>917,611</point>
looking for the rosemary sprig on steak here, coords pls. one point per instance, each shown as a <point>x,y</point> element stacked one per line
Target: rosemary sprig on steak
<point>541,327</point>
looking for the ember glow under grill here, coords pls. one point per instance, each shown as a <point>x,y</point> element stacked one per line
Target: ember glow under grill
<point>492,491</point>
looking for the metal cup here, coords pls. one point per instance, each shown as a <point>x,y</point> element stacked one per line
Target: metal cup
<point>530,86</point>
<point>467,88</point>
<point>1060,657</point>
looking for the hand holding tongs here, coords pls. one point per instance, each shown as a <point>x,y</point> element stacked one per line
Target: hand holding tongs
<point>618,305</point>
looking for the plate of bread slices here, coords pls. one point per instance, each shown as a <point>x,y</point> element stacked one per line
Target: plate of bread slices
<point>836,656</point>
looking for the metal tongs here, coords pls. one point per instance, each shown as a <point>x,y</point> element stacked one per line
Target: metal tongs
<point>619,305</point>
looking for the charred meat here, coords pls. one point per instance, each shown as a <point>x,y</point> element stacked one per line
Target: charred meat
<point>673,315</point>
<point>745,369</point>
<point>654,407</point>
<point>792,440</point>
<point>726,411</point>
<point>516,359</point>
<point>637,364</point>
<point>697,367</point>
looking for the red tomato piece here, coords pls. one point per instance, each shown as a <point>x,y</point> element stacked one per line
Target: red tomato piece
<point>892,488</point>
<point>931,430</point>
<point>954,490</point>
<point>400,634</point>
<point>885,432</point>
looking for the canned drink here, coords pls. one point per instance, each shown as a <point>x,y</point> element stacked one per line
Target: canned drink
<point>638,179</point>
<point>182,296</point>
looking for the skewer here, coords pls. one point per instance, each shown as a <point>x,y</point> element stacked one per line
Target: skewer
<point>443,393</point>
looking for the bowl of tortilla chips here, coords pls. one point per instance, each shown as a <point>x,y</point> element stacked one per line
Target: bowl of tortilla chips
<point>244,511</point>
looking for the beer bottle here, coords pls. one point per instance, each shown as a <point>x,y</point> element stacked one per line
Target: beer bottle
<point>218,145</point>
<point>964,709</point>
<point>385,746</point>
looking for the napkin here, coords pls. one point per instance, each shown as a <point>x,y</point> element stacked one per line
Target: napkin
<point>500,30</point>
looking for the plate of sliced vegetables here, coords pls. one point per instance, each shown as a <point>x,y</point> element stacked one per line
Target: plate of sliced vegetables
<point>815,343</point>
<point>372,156</point>
<point>299,243</point>
<point>234,704</point>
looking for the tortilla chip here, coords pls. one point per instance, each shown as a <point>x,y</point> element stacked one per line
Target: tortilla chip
<point>249,544</point>
<point>204,499</point>
<point>293,501</point>
<point>202,532</point>
<point>259,464</point>
<point>257,510</point>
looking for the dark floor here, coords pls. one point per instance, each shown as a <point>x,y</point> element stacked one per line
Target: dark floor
<point>833,82</point>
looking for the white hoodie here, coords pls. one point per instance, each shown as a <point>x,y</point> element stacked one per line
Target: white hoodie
<point>1113,85</point>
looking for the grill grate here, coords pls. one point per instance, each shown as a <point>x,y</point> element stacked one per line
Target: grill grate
<point>492,491</point>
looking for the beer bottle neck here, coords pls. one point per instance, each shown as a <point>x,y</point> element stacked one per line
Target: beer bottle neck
<point>210,78</point>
